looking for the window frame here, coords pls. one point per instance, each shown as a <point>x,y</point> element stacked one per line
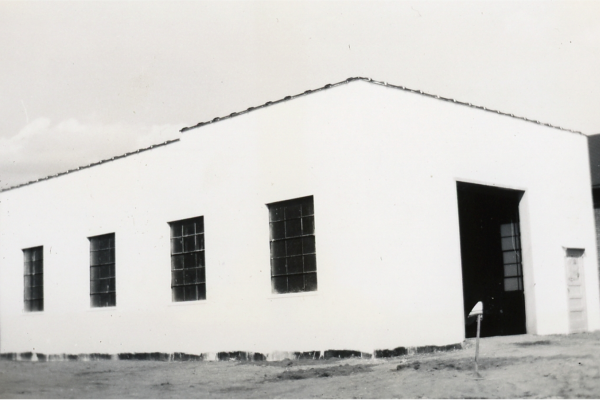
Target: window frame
<point>33,272</point>
<point>103,266</point>
<point>292,246</point>
<point>188,259</point>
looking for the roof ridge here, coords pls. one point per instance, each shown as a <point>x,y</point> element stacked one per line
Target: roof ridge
<point>382,83</point>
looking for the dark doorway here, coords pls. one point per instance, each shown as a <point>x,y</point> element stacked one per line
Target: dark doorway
<point>490,245</point>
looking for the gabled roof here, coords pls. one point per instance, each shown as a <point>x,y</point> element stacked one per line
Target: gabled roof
<point>288,98</point>
<point>331,85</point>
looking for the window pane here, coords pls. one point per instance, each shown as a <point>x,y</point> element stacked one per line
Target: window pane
<point>28,267</point>
<point>201,291</point>
<point>294,265</point>
<point>189,243</point>
<point>111,284</point>
<point>38,280</point>
<point>95,273</point>
<point>308,244</point>
<point>200,225</point>
<point>200,261</point>
<point>189,276</point>
<point>188,227</point>
<point>293,211</point>
<point>176,246</point>
<point>111,270</point>
<point>200,275</point>
<point>28,293</point>
<point>36,305</point>
<point>189,260</point>
<point>279,284</point>
<point>310,282</point>
<point>310,263</point>
<point>105,271</point>
<point>177,278</point>
<point>510,243</point>
<point>190,292</point>
<point>178,293</point>
<point>111,300</point>
<point>278,249</point>
<point>94,286</point>
<point>511,270</point>
<point>200,242</point>
<point>101,285</point>
<point>278,266</point>
<point>296,283</point>
<point>308,225</point>
<point>103,257</point>
<point>277,230</point>
<point>293,227</point>
<point>508,230</point>
<point>511,284</point>
<point>176,229</point>
<point>38,266</point>
<point>96,300</point>
<point>294,247</point>
<point>28,282</point>
<point>510,257</point>
<point>276,213</point>
<point>177,262</point>
<point>103,242</point>
<point>95,258</point>
<point>28,255</point>
<point>308,208</point>
<point>38,292</point>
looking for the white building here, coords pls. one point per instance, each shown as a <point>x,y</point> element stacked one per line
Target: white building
<point>412,208</point>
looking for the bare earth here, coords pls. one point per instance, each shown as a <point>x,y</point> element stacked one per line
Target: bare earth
<point>511,367</point>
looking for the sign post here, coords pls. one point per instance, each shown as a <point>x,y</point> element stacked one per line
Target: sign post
<point>477,311</point>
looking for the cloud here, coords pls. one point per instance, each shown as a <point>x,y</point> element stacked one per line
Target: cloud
<point>42,148</point>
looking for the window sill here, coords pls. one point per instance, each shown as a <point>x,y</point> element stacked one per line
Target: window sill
<point>291,295</point>
<point>187,303</point>
<point>102,309</point>
<point>32,313</point>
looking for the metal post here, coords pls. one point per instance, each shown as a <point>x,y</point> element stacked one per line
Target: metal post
<point>477,345</point>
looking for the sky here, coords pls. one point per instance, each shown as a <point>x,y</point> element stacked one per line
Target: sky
<point>85,81</point>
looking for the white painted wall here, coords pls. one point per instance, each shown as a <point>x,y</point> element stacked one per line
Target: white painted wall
<point>382,165</point>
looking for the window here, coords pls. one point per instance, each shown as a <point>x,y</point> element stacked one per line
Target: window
<point>293,255</point>
<point>188,278</point>
<point>511,255</point>
<point>34,278</point>
<point>102,271</point>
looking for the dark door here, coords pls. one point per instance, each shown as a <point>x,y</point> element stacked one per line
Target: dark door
<point>491,258</point>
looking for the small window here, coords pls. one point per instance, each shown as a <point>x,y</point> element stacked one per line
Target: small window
<point>511,255</point>
<point>34,278</point>
<point>293,251</point>
<point>102,271</point>
<point>188,277</point>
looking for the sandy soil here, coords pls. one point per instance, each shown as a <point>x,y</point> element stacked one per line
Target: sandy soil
<point>511,367</point>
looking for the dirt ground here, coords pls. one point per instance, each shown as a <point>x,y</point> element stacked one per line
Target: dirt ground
<point>524,366</point>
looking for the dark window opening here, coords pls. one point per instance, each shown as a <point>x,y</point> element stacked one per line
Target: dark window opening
<point>492,269</point>
<point>293,250</point>
<point>102,271</point>
<point>34,278</point>
<point>188,277</point>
